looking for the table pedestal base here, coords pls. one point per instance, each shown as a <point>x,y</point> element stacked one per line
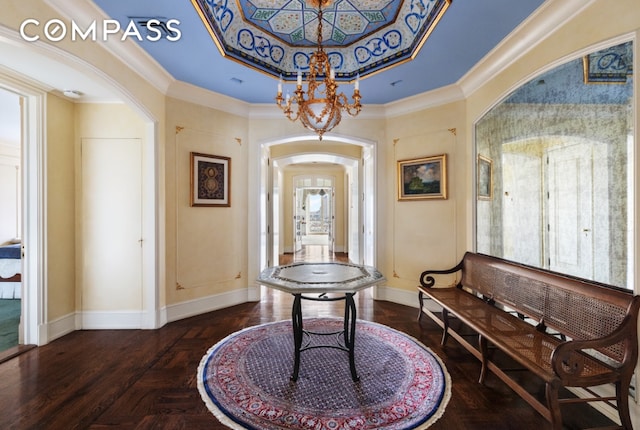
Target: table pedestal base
<point>348,333</point>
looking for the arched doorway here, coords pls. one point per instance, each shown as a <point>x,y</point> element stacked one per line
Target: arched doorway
<point>39,326</point>
<point>315,225</point>
<point>264,226</point>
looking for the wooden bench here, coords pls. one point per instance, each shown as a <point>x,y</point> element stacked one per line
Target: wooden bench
<point>570,332</point>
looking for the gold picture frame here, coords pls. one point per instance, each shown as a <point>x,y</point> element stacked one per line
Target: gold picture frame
<point>210,180</point>
<point>484,178</point>
<point>423,178</point>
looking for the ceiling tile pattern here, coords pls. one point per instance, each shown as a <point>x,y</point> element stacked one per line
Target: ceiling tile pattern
<point>296,24</point>
<point>360,36</point>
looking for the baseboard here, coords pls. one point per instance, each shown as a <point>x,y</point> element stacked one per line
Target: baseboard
<point>61,326</point>
<point>111,320</point>
<point>203,305</point>
<point>133,320</point>
<point>395,295</point>
<point>609,390</point>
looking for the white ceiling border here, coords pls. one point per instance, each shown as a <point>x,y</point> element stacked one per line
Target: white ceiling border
<point>84,12</point>
<point>531,32</point>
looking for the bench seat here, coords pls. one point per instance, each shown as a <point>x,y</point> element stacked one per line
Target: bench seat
<point>521,340</point>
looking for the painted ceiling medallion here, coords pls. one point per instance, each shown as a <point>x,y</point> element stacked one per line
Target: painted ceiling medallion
<point>360,36</point>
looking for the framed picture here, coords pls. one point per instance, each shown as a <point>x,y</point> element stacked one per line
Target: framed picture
<point>612,65</point>
<point>210,180</point>
<point>485,178</point>
<point>423,178</point>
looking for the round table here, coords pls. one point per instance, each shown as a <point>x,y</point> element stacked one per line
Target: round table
<point>322,279</point>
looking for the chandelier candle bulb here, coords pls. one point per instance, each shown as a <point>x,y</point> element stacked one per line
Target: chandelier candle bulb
<point>299,78</point>
<point>332,74</point>
<point>356,86</point>
<point>280,85</point>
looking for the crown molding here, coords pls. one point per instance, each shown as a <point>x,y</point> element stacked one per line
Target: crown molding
<point>526,36</point>
<point>136,58</point>
<point>194,94</point>
<point>532,31</point>
<point>438,97</point>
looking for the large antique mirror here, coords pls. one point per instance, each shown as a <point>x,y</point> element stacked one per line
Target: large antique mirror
<point>555,170</point>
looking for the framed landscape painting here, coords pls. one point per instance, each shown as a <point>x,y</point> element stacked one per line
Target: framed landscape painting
<point>210,180</point>
<point>423,178</point>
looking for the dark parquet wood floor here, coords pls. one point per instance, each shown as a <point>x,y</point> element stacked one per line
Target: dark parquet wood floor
<point>146,379</point>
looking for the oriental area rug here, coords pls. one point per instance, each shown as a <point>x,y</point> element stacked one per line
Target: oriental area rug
<point>245,380</point>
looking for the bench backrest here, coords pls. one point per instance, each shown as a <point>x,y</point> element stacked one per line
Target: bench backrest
<point>577,308</point>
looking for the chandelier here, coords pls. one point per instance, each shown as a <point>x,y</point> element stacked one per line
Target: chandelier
<point>320,107</point>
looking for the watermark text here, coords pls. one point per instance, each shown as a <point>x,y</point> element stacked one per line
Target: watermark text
<point>55,30</point>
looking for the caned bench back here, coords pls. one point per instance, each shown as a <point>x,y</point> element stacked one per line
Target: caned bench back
<point>577,308</point>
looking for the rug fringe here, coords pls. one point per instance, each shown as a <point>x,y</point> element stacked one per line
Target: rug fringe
<point>220,416</point>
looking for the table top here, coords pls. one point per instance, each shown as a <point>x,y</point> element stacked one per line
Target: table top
<point>300,278</point>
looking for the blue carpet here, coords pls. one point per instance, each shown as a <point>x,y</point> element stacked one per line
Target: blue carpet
<point>9,320</point>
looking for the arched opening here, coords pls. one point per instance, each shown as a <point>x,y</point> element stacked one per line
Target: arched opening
<point>357,159</point>
<point>39,89</point>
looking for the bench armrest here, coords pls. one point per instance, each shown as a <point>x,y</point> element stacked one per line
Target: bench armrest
<point>427,281</point>
<point>569,358</point>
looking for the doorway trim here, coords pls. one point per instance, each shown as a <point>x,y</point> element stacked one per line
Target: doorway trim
<point>261,188</point>
<point>33,156</point>
<point>37,329</point>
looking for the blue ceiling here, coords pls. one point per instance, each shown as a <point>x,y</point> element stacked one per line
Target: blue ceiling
<point>468,30</point>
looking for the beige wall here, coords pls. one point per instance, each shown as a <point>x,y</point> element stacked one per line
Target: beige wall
<point>206,246</point>
<point>61,220</point>
<point>425,234</point>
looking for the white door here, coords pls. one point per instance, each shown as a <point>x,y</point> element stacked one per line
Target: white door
<point>331,197</point>
<point>522,236</point>
<point>570,210</point>
<point>112,224</point>
<point>298,218</point>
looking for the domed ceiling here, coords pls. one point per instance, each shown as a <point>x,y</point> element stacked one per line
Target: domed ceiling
<point>238,48</point>
<point>359,36</point>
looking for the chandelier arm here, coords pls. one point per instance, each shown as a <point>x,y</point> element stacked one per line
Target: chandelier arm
<point>322,109</point>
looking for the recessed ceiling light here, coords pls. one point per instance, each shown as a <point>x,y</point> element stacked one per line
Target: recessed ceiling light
<point>72,94</point>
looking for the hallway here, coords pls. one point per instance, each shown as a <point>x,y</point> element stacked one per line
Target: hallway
<point>313,254</point>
